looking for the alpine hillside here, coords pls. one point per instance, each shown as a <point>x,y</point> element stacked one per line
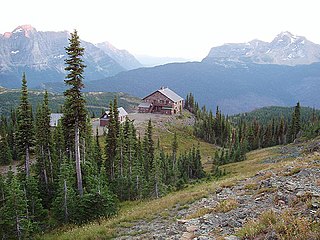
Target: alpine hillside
<point>41,56</point>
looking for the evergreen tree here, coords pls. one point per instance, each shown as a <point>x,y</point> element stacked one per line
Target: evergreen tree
<point>44,164</point>
<point>37,214</point>
<point>5,152</point>
<point>11,130</point>
<point>74,118</point>
<point>16,223</point>
<point>111,143</point>
<point>58,147</point>
<point>65,202</point>
<point>148,150</point>
<point>25,126</point>
<point>116,115</point>
<point>174,150</point>
<point>97,152</point>
<point>197,165</point>
<point>295,123</point>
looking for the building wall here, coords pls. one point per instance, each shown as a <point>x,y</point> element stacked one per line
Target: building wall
<point>143,110</point>
<point>104,120</point>
<point>159,101</point>
<point>178,106</point>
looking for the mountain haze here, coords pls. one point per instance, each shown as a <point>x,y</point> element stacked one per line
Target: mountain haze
<point>41,55</point>
<point>237,77</point>
<point>123,57</point>
<point>236,89</point>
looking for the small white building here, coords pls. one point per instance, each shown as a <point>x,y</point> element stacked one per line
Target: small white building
<point>54,119</point>
<point>104,119</point>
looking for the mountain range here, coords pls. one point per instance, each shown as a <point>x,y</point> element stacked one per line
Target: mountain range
<point>41,56</point>
<point>284,49</point>
<point>238,77</point>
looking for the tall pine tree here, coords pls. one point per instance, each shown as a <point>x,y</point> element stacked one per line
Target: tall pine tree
<point>74,117</point>
<point>25,126</point>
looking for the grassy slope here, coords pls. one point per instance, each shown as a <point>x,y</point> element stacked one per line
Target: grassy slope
<point>165,126</point>
<point>132,211</point>
<point>147,210</point>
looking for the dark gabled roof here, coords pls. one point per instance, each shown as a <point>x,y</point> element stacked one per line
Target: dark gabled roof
<point>168,93</point>
<point>121,111</point>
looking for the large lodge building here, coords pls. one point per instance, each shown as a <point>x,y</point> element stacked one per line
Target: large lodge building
<point>163,101</point>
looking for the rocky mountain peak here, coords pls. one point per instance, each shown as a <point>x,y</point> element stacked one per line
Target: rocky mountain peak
<point>127,60</point>
<point>41,54</point>
<point>285,49</point>
<point>286,38</point>
<point>27,30</point>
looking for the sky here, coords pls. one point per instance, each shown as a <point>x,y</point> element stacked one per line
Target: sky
<point>166,28</point>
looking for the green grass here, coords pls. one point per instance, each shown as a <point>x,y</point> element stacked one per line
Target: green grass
<point>149,209</point>
<point>186,140</point>
<point>286,226</point>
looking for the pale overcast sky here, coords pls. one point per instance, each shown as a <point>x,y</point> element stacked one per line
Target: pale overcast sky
<point>174,28</point>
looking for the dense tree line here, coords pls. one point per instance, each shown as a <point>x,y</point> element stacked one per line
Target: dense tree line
<point>242,133</point>
<point>136,169</point>
<point>95,101</point>
<point>74,178</point>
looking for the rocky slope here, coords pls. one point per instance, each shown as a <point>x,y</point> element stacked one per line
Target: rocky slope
<point>284,49</point>
<point>291,184</point>
<point>41,55</point>
<point>123,57</point>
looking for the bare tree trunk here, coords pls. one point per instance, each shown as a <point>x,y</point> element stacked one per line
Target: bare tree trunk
<point>121,161</point>
<point>25,198</point>
<point>137,185</point>
<point>112,169</point>
<point>84,151</point>
<point>156,187</point>
<point>65,204</point>
<point>44,168</point>
<point>18,227</point>
<point>77,157</point>
<point>50,165</point>
<point>130,161</point>
<point>27,163</point>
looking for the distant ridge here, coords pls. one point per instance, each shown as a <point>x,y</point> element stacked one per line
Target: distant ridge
<point>41,55</point>
<point>284,49</point>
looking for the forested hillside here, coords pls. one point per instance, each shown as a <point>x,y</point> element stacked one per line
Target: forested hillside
<point>96,102</point>
<point>246,132</point>
<point>264,114</point>
<point>68,176</point>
